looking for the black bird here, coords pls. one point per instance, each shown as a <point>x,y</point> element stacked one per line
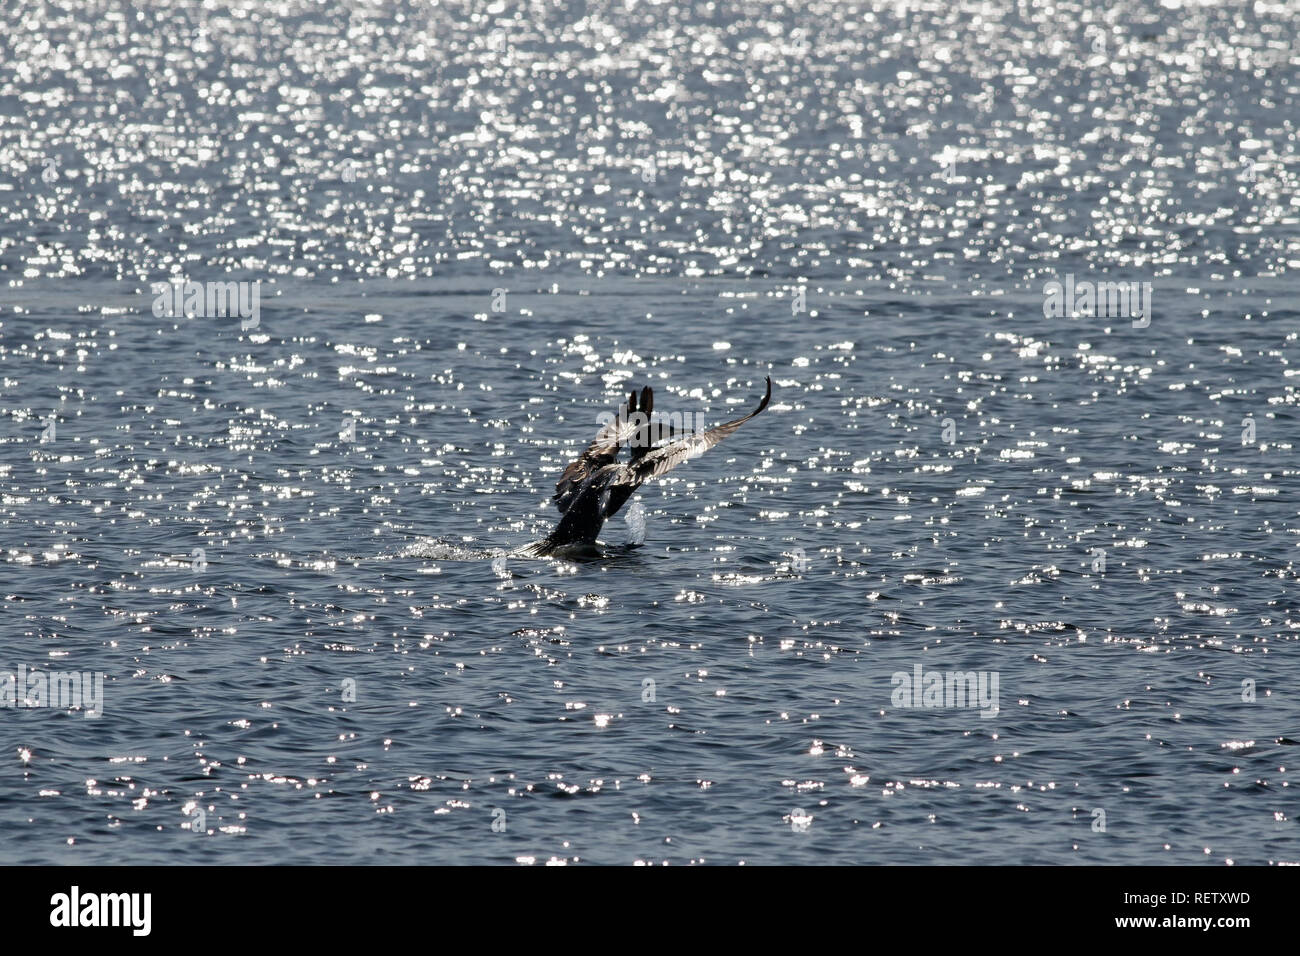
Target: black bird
<point>594,486</point>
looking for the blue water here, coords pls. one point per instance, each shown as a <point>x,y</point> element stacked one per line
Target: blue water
<point>476,226</point>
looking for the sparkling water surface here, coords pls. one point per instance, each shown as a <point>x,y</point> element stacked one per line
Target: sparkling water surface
<point>288,545</point>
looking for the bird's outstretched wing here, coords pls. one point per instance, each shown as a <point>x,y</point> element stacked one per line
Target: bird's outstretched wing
<point>665,458</point>
<point>604,448</point>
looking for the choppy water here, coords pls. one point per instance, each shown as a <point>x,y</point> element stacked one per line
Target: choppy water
<point>475,226</point>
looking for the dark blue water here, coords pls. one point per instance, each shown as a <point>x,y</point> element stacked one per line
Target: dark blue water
<point>476,226</point>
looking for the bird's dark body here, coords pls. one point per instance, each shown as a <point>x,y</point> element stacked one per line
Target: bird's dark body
<point>596,500</point>
<point>595,486</point>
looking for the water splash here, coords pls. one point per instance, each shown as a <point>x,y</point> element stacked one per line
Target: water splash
<point>635,519</point>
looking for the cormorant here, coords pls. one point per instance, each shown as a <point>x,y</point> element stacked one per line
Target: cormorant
<point>594,486</point>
